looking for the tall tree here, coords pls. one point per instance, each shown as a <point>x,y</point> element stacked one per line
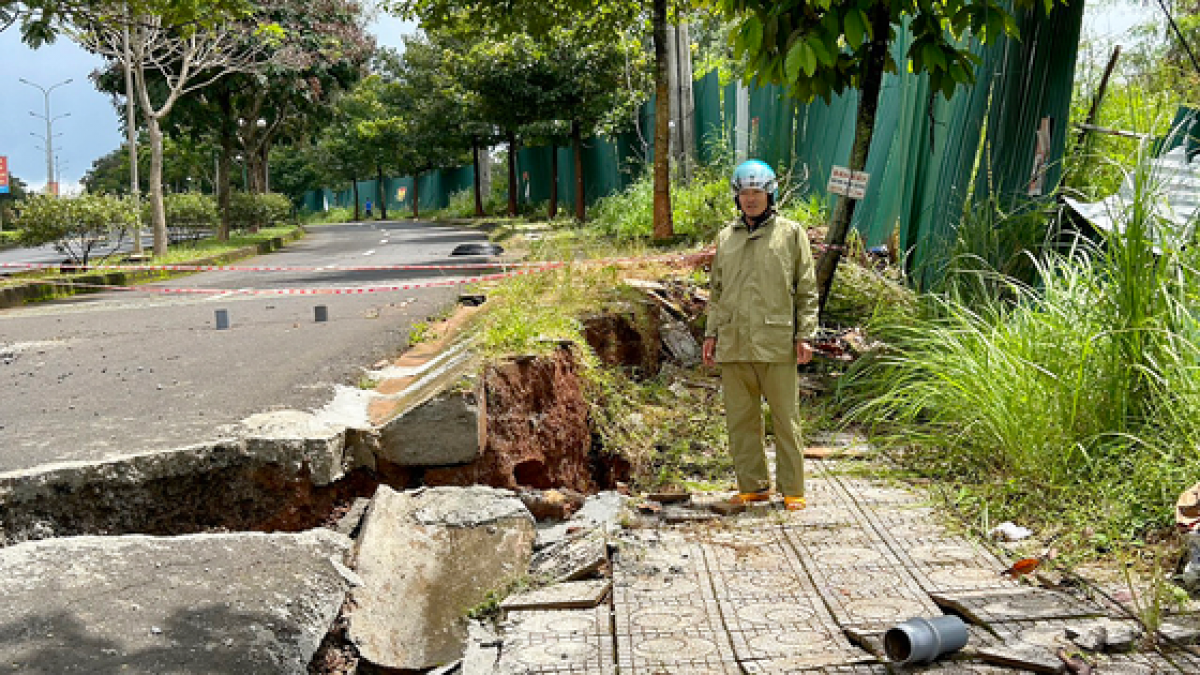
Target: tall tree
<point>538,17</point>
<point>515,84</point>
<point>601,81</point>
<point>821,48</point>
<point>168,63</point>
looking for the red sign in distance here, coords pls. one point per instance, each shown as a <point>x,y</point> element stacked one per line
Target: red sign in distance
<point>3,174</point>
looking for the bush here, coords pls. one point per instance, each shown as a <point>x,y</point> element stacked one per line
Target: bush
<point>76,227</point>
<point>248,211</point>
<point>190,215</point>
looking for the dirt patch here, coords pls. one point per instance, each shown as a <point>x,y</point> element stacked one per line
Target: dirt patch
<point>628,340</point>
<point>536,432</point>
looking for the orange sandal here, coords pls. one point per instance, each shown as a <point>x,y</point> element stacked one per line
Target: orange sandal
<point>795,503</point>
<point>744,498</point>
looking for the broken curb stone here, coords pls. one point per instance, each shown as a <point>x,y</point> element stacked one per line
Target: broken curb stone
<point>302,438</point>
<point>426,558</point>
<point>570,595</point>
<point>213,603</point>
<point>441,431</point>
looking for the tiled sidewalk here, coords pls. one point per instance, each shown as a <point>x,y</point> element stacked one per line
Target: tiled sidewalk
<point>776,592</point>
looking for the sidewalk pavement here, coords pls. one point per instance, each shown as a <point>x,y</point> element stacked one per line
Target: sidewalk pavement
<point>773,592</point>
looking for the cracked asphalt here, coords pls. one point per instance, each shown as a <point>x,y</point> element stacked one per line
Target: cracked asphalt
<point>115,373</point>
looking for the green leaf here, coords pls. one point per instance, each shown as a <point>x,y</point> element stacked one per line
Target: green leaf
<point>948,87</point>
<point>932,56</point>
<point>824,54</point>
<point>752,34</point>
<point>855,31</point>
<point>810,59</point>
<point>794,62</point>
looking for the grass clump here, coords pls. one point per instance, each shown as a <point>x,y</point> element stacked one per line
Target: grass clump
<point>1072,403</point>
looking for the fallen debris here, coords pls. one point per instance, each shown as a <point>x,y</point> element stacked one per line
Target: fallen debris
<point>568,595</point>
<point>426,558</point>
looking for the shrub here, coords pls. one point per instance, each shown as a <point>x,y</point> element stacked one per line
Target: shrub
<point>76,227</point>
<point>252,211</point>
<point>190,215</point>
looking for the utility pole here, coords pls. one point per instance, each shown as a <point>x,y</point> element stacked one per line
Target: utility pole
<point>51,187</point>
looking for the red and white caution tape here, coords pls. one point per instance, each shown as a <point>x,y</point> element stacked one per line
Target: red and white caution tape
<point>333,290</point>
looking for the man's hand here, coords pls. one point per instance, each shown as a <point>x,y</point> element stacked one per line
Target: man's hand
<point>804,352</point>
<point>709,351</point>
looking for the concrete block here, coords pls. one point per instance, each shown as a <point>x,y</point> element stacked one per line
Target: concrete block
<point>443,430</point>
<point>220,603</point>
<point>427,557</point>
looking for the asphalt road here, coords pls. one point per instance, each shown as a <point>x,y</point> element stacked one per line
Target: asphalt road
<point>104,375</point>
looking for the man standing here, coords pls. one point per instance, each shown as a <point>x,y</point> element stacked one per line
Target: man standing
<point>762,313</point>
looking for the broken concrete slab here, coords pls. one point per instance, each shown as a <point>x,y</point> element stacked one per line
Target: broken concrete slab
<point>319,446</point>
<point>443,430</point>
<point>214,603</point>
<point>181,490</point>
<point>1104,635</point>
<point>350,523</point>
<point>569,595</point>
<point>602,510</point>
<point>679,343</point>
<point>426,557</point>
<point>577,558</point>
<point>1013,604</point>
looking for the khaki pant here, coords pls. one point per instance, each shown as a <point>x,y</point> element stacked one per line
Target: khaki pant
<point>745,385</point>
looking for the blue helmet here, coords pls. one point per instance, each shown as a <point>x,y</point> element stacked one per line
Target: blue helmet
<point>754,174</point>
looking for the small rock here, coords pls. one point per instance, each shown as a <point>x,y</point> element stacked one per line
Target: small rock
<point>1009,531</point>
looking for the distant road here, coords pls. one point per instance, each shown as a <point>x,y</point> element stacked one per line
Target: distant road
<point>101,375</point>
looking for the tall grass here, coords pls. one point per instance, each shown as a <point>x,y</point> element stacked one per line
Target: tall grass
<point>1073,402</point>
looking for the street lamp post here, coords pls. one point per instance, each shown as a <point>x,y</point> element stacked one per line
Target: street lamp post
<point>49,127</point>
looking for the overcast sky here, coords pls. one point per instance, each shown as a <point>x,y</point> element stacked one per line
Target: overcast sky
<point>91,129</point>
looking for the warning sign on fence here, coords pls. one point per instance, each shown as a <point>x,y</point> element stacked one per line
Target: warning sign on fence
<point>853,184</point>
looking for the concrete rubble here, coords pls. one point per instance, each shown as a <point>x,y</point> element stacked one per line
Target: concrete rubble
<point>218,603</point>
<point>427,557</point>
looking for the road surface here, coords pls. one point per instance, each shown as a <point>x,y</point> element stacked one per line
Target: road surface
<point>104,375</point>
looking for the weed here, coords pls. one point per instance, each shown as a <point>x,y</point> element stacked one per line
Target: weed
<point>421,332</point>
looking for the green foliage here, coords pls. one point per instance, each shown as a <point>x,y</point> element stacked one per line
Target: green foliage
<point>823,48</point>
<point>190,215</point>
<point>252,211</point>
<point>1080,392</point>
<point>76,227</point>
<point>699,209</point>
<point>460,205</point>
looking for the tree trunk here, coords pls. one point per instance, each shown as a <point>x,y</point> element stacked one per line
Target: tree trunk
<point>157,210</point>
<point>512,175</point>
<point>416,195</point>
<point>354,188</point>
<point>553,180</point>
<point>864,128</point>
<point>577,147</point>
<point>663,227</point>
<point>223,185</point>
<point>478,180</point>
<point>380,192</point>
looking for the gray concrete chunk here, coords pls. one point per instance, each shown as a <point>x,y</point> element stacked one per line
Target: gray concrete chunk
<point>222,603</point>
<point>443,430</point>
<point>426,558</point>
<point>300,435</point>
<point>571,595</point>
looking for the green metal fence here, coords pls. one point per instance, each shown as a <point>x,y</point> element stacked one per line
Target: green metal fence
<point>1002,138</point>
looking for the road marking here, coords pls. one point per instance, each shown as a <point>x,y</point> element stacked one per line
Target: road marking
<point>370,252</point>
